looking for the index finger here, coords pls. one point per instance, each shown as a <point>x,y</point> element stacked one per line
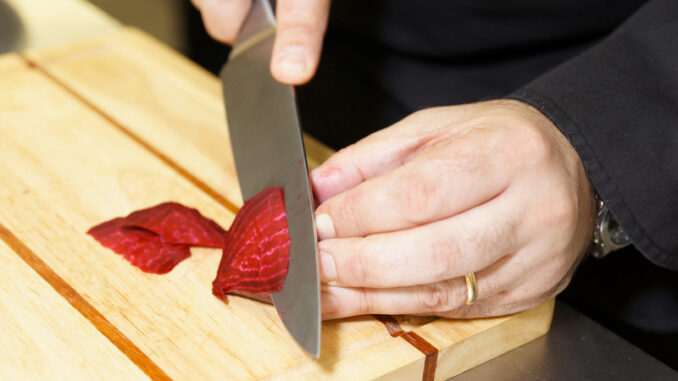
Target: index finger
<point>442,182</point>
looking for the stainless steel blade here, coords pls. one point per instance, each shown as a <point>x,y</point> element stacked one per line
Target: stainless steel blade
<point>268,150</point>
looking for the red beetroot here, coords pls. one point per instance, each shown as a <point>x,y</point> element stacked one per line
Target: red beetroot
<point>257,248</point>
<point>140,247</point>
<point>175,223</point>
<point>156,239</point>
<point>255,251</point>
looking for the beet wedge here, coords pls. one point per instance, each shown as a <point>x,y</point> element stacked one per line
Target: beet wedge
<point>257,247</point>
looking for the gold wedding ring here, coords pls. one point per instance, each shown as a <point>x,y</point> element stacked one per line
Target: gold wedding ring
<point>471,288</point>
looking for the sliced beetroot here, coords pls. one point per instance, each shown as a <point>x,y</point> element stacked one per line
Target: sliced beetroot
<point>142,248</point>
<point>158,238</point>
<point>175,223</point>
<point>256,251</point>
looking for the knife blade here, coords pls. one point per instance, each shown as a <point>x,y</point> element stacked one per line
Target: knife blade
<point>268,150</point>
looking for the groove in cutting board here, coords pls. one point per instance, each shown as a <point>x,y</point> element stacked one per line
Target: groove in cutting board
<point>78,302</point>
<point>395,330</point>
<point>391,324</point>
<point>164,158</point>
<point>428,350</point>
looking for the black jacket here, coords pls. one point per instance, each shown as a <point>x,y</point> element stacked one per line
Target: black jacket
<point>604,71</point>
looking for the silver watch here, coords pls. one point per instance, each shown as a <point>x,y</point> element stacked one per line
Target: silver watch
<point>608,236</point>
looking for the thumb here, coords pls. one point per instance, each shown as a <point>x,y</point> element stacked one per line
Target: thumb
<point>301,26</point>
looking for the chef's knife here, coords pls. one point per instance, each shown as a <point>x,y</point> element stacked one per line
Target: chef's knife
<point>267,145</point>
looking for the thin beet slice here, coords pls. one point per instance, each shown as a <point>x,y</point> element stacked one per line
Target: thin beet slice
<point>257,247</point>
<point>142,248</point>
<point>156,239</point>
<point>175,223</point>
<point>255,252</point>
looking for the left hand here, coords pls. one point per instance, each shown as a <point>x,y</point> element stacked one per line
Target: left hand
<point>492,188</point>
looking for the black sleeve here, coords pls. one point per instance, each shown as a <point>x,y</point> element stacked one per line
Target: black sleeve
<point>617,103</point>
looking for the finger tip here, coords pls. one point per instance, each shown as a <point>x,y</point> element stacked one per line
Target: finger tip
<point>291,65</point>
<point>289,75</point>
<point>327,181</point>
<point>325,226</point>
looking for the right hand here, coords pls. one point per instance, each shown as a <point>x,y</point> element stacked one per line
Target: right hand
<point>299,35</point>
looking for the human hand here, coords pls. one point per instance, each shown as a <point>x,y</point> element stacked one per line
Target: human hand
<point>492,188</point>
<point>301,26</point>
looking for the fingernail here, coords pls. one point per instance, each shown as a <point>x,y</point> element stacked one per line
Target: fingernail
<point>329,303</point>
<point>292,59</point>
<point>325,226</point>
<point>328,270</point>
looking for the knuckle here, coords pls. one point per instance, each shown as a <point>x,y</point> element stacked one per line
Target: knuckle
<point>437,297</point>
<point>490,286</point>
<point>366,302</point>
<point>532,145</point>
<point>467,159</point>
<point>478,242</point>
<point>359,265</point>
<point>350,211</point>
<point>444,252</point>
<point>563,210</point>
<point>419,194</point>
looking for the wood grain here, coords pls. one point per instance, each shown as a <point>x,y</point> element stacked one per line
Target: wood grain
<point>185,113</point>
<point>43,337</point>
<point>65,168</point>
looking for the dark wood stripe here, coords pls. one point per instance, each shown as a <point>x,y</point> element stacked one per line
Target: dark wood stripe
<point>427,349</point>
<point>392,326</point>
<point>395,330</point>
<point>164,158</point>
<point>78,302</point>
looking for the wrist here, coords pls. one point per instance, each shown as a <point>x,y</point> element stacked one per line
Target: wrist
<point>608,235</point>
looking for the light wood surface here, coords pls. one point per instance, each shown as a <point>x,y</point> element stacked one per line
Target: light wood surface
<point>97,129</point>
<point>43,337</point>
<point>54,22</point>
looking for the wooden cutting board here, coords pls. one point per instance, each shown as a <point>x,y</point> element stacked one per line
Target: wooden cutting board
<point>98,129</point>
